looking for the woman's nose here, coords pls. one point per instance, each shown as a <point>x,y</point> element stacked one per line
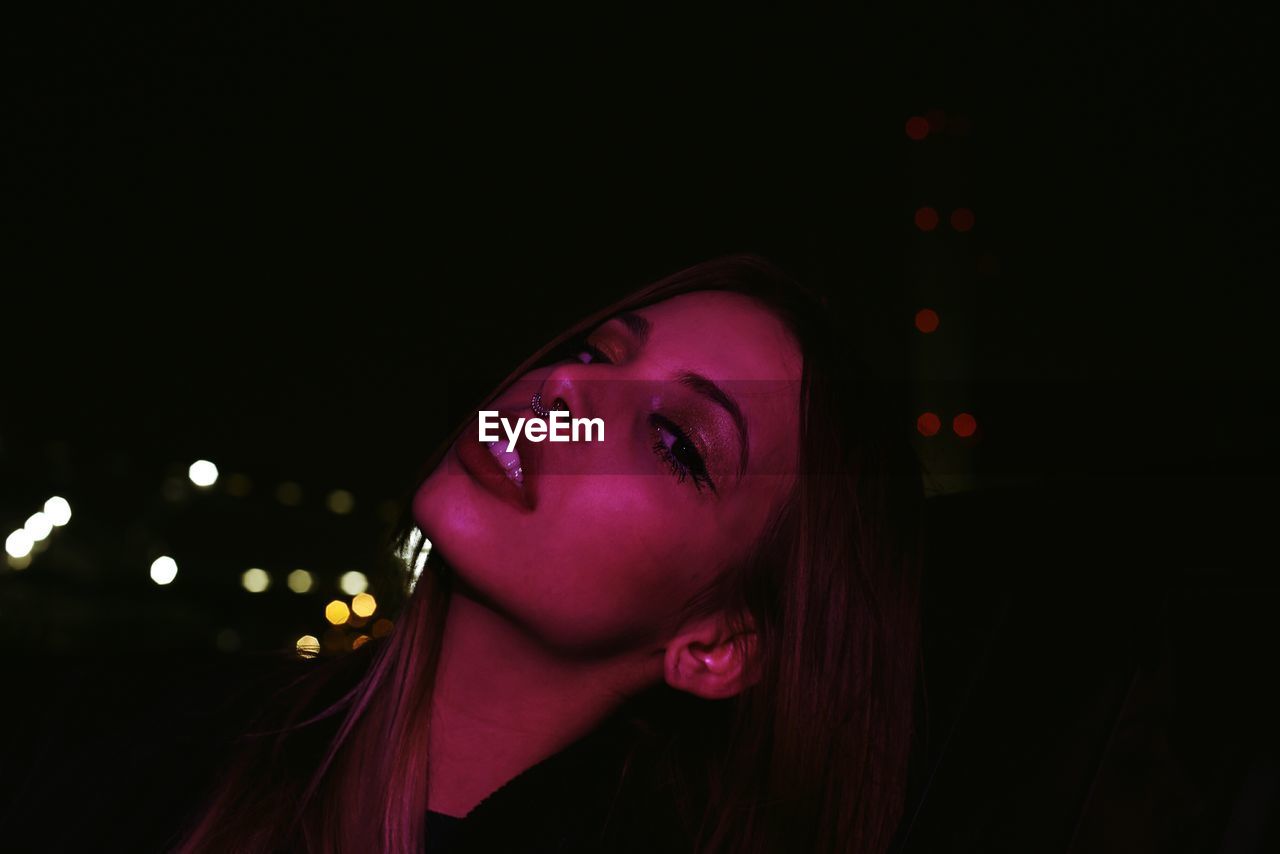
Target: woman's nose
<point>565,389</point>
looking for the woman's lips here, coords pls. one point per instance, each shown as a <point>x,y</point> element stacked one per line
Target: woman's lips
<point>492,473</point>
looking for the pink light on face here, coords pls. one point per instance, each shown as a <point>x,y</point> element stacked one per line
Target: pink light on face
<point>926,219</point>
<point>917,128</point>
<point>928,424</point>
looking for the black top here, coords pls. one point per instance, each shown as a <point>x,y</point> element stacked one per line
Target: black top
<point>603,793</point>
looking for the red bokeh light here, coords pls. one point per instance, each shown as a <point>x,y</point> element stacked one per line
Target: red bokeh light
<point>917,127</point>
<point>926,320</point>
<point>926,219</point>
<point>928,423</point>
<point>937,120</point>
<point>964,424</point>
<point>962,219</point>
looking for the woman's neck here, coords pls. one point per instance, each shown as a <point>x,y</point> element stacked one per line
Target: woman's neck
<point>502,703</point>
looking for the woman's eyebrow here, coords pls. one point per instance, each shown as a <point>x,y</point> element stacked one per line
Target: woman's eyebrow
<point>640,328</point>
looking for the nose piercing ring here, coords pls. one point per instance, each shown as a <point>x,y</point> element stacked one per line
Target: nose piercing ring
<point>538,409</point>
<point>541,411</point>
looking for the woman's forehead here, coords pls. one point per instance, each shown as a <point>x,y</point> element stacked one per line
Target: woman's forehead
<point>723,334</point>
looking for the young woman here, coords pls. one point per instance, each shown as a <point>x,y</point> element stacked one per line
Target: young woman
<point>699,634</point>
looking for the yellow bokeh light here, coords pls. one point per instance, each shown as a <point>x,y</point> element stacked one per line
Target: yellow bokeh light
<point>360,640</point>
<point>308,646</point>
<point>341,502</point>
<point>364,605</point>
<point>337,612</point>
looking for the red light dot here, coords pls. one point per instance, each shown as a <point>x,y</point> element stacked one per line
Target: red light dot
<point>937,120</point>
<point>962,219</point>
<point>928,423</point>
<point>926,219</point>
<point>926,320</point>
<point>964,424</point>
<point>917,127</point>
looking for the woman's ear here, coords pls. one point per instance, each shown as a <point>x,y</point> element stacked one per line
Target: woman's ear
<point>707,659</point>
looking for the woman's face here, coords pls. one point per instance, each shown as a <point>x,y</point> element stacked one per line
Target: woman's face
<point>614,536</point>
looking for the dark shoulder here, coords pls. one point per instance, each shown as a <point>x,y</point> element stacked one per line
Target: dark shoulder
<point>606,792</point>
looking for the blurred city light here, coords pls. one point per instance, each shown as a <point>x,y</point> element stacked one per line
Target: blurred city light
<point>353,582</point>
<point>308,646</point>
<point>38,526</point>
<point>203,473</point>
<point>341,502</point>
<point>962,219</point>
<point>337,612</point>
<point>19,543</point>
<point>926,320</point>
<point>58,511</point>
<point>164,569</point>
<point>364,605</point>
<point>926,219</point>
<point>928,423</point>
<point>255,580</point>
<point>964,424</point>
<point>300,581</point>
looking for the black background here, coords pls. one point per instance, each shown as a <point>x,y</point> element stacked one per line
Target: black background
<point>294,238</point>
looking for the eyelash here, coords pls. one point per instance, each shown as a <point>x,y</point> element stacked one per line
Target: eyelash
<point>692,467</point>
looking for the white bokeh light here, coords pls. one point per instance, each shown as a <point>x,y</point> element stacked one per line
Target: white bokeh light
<point>300,581</point>
<point>19,543</point>
<point>58,511</point>
<point>164,569</point>
<point>38,526</point>
<point>256,580</point>
<point>353,582</point>
<point>203,473</point>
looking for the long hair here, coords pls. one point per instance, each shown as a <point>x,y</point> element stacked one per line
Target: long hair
<point>811,757</point>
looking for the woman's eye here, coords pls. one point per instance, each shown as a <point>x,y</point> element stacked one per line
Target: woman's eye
<point>675,449</point>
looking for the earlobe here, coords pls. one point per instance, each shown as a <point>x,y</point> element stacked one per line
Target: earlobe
<point>711,666</point>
